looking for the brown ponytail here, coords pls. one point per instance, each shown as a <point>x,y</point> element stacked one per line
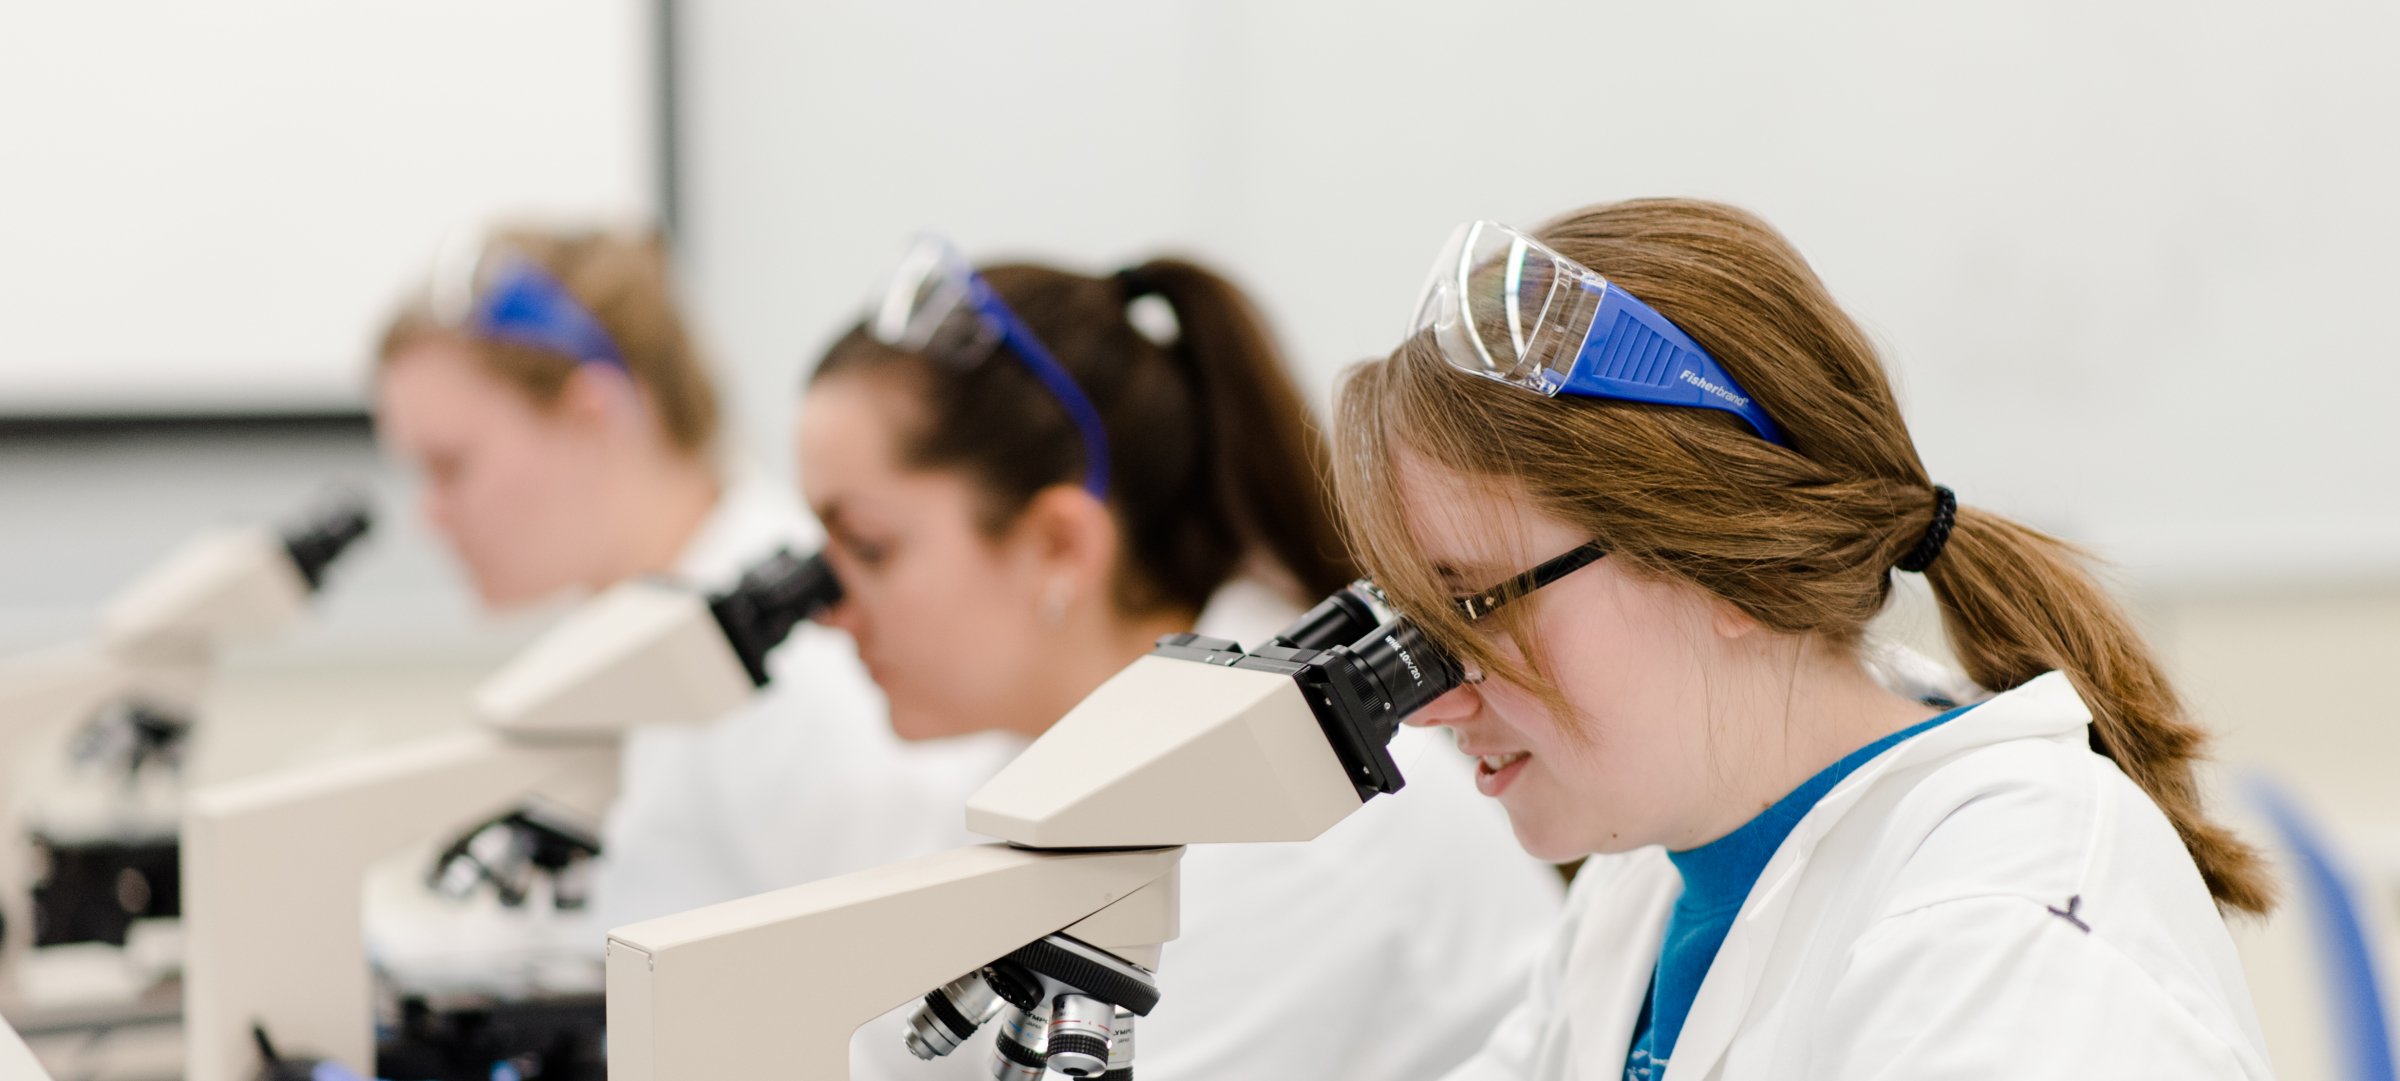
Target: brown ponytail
<point>1262,448</point>
<point>1803,539</point>
<point>1214,456</point>
<point>2015,604</point>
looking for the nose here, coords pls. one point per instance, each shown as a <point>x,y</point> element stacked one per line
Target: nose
<point>843,615</point>
<point>1452,707</point>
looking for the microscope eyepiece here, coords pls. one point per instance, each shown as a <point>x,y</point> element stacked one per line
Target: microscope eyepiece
<point>774,596</point>
<point>1336,620</point>
<point>314,543</point>
<point>1405,668</point>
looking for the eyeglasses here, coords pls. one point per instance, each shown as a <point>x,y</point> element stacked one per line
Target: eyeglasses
<point>1502,305</point>
<point>936,305</point>
<point>1477,606</point>
<point>499,295</point>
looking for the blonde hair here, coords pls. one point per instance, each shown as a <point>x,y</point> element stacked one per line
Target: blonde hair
<point>624,281</point>
<point>1802,539</point>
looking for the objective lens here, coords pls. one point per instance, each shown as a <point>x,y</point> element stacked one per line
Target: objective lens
<point>950,1015</point>
<point>1120,1049</point>
<point>1080,1030</point>
<point>1017,1051</point>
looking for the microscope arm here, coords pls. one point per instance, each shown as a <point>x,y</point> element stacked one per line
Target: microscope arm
<point>54,684</point>
<point>16,1060</point>
<point>273,872</point>
<point>786,977</point>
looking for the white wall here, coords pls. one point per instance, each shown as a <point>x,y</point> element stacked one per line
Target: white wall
<point>2125,258</point>
<point>211,207</point>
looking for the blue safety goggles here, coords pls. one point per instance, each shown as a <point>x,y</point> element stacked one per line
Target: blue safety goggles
<point>501,296</point>
<point>1504,306</point>
<point>936,306</point>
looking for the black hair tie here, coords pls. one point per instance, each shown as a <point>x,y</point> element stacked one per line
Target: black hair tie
<point>1937,535</point>
<point>1137,282</point>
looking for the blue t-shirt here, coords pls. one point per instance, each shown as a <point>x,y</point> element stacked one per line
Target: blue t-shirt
<point>1717,877</point>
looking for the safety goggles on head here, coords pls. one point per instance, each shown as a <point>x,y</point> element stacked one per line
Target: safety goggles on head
<point>936,306</point>
<point>498,295</point>
<point>1503,306</point>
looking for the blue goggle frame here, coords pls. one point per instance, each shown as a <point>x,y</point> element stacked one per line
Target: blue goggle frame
<point>522,304</point>
<point>932,289</point>
<point>1504,306</point>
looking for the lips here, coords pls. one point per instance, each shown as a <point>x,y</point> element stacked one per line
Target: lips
<point>1495,772</point>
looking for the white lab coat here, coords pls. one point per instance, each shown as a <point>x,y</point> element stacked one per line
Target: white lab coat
<point>1384,950</point>
<point>805,782</point>
<point>1990,899</point>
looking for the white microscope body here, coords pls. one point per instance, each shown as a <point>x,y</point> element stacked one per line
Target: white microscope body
<point>157,642</point>
<point>16,1060</point>
<point>274,866</point>
<point>1059,930</point>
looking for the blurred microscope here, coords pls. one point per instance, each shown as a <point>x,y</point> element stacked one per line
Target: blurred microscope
<point>1055,935</point>
<point>88,830</point>
<point>16,1060</point>
<point>275,864</point>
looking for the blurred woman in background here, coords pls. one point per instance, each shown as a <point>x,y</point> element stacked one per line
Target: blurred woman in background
<point>1023,490</point>
<point>549,394</point>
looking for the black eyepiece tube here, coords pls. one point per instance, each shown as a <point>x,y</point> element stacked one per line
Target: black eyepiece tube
<point>1409,669</point>
<point>1372,685</point>
<point>774,596</point>
<point>315,542</point>
<point>1337,620</point>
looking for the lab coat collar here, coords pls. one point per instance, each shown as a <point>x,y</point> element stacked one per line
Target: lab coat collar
<point>2044,708</point>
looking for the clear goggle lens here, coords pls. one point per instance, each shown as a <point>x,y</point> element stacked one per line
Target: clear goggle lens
<point>926,307</point>
<point>1501,305</point>
<point>496,293</point>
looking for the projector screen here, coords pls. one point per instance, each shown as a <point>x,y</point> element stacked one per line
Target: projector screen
<point>210,208</point>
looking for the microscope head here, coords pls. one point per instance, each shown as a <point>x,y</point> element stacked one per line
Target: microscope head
<point>1201,741</point>
<point>651,652</point>
<point>230,584</point>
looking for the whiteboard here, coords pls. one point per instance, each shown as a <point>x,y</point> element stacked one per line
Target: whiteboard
<point>210,208</point>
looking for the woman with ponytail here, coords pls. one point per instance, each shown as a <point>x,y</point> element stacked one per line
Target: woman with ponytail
<point>1795,872</point>
<point>1023,490</point>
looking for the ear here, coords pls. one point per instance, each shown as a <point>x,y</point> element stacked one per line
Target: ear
<point>1729,621</point>
<point>1070,536</point>
<point>600,399</point>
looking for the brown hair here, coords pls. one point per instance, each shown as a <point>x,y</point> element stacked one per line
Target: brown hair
<point>623,280</point>
<point>1214,456</point>
<point>1802,539</point>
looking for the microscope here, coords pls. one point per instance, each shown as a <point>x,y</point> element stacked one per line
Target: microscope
<point>274,864</point>
<point>1054,935</point>
<point>104,835</point>
<point>16,1060</point>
